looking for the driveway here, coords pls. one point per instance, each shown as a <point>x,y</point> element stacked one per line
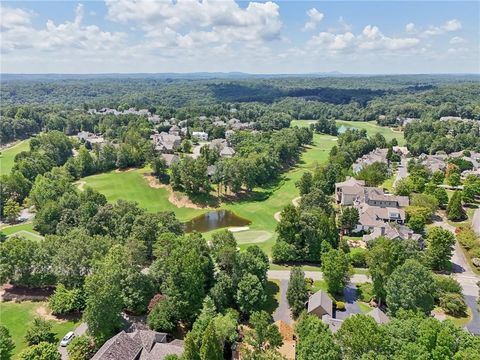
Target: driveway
<point>401,171</point>
<point>79,331</point>
<point>351,306</point>
<point>282,312</point>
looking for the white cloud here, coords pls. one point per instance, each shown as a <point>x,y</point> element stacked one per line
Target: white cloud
<point>370,39</point>
<point>314,18</point>
<point>449,26</point>
<point>457,40</point>
<point>188,23</point>
<point>410,28</point>
<point>17,33</point>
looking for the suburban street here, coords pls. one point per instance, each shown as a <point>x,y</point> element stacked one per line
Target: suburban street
<point>401,170</point>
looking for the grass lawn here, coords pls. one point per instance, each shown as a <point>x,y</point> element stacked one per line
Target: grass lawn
<point>319,285</point>
<point>273,296</point>
<point>388,184</point>
<point>8,155</point>
<point>132,186</point>
<point>364,307</point>
<point>24,230</point>
<point>17,317</point>
<point>372,128</point>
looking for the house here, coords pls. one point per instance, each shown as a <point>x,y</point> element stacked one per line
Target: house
<point>333,324</point>
<point>401,150</point>
<point>320,304</point>
<point>165,143</point>
<point>379,316</point>
<point>175,130</point>
<point>404,121</point>
<point>227,152</point>
<point>170,159</point>
<point>139,345</point>
<point>229,134</point>
<point>451,118</point>
<point>154,119</point>
<point>434,163</point>
<point>393,232</point>
<point>218,144</point>
<point>200,135</point>
<point>347,191</point>
<point>88,137</point>
<point>377,155</point>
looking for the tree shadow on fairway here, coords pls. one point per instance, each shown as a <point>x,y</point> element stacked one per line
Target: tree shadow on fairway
<point>272,290</point>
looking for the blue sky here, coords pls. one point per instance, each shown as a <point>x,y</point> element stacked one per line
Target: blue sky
<point>223,35</point>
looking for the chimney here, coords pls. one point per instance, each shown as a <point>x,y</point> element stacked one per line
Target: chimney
<point>382,230</point>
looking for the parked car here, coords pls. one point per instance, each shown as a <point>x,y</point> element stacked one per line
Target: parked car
<point>67,338</point>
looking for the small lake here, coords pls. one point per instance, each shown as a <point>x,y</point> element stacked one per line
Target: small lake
<point>214,220</point>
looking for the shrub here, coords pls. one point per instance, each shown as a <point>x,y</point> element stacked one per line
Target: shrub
<point>81,348</point>
<point>365,292</point>
<point>467,238</point>
<point>39,331</point>
<point>453,304</point>
<point>340,305</point>
<point>64,301</point>
<point>446,284</point>
<point>163,316</point>
<point>358,257</point>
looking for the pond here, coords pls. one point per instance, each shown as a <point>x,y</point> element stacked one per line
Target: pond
<point>214,220</point>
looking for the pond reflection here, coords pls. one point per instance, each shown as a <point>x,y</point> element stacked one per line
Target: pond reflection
<point>214,220</point>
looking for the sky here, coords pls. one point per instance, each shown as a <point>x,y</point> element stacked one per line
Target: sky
<point>267,37</point>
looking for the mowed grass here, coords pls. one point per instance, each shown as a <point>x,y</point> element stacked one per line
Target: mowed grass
<point>132,186</point>
<point>16,317</point>
<point>8,155</point>
<point>371,127</point>
<point>23,230</point>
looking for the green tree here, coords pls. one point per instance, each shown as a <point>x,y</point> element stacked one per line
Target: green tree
<point>349,218</point>
<point>40,330</point>
<point>336,270</point>
<point>81,348</point>
<point>11,211</point>
<point>453,304</point>
<point>454,179</point>
<point>373,174</point>
<point>250,295</point>
<point>441,196</point>
<point>440,243</point>
<point>103,294</point>
<point>41,351</point>
<point>383,257</point>
<point>163,316</point>
<point>358,335</point>
<point>263,334</point>
<point>455,211</point>
<point>410,287</point>
<point>64,301</point>
<point>191,349</point>
<point>297,292</point>
<point>315,340</point>
<point>305,183</point>
<point>404,186</point>
<point>416,223</point>
<point>211,347</point>
<point>6,344</point>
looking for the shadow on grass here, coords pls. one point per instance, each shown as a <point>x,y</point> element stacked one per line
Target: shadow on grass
<point>272,289</point>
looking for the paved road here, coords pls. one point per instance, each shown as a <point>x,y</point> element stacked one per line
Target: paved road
<point>315,275</point>
<point>476,221</point>
<point>474,325</point>
<point>282,312</point>
<point>401,171</point>
<point>79,331</point>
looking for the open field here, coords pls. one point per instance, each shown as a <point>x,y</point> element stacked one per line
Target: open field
<point>17,317</point>
<point>8,155</point>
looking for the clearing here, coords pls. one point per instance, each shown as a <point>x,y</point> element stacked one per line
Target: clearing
<point>7,155</point>
<point>17,317</point>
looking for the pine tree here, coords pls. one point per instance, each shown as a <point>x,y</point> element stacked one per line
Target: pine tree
<point>211,348</point>
<point>297,293</point>
<point>455,211</point>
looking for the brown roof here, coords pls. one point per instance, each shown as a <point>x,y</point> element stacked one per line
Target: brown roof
<point>320,299</point>
<point>119,347</point>
<point>379,316</point>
